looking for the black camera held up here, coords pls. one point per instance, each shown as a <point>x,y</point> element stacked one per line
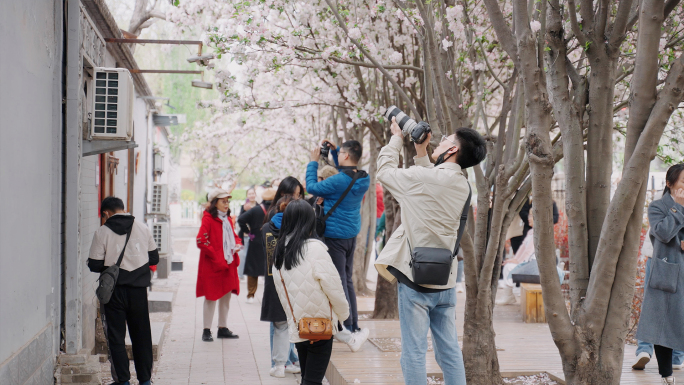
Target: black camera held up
<point>418,131</point>
<point>325,149</point>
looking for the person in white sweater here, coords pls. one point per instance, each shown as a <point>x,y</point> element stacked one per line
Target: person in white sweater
<point>314,288</point>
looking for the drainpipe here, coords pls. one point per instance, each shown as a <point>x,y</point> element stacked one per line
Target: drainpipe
<point>73,301</point>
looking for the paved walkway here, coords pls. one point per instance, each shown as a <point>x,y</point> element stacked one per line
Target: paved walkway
<point>186,359</point>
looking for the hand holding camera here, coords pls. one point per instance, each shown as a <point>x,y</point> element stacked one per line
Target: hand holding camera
<point>315,154</point>
<point>418,131</point>
<point>326,146</point>
<point>394,127</point>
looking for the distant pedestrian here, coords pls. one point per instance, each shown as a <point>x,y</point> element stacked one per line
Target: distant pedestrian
<point>644,351</point>
<point>283,359</point>
<point>308,286</point>
<point>288,186</point>
<point>255,263</point>
<point>123,238</point>
<point>250,202</point>
<point>662,311</point>
<point>217,276</point>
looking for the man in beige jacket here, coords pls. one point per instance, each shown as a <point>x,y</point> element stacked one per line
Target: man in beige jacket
<point>432,198</point>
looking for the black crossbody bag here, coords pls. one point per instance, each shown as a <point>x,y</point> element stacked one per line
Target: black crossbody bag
<point>108,278</point>
<point>320,221</point>
<point>432,265</point>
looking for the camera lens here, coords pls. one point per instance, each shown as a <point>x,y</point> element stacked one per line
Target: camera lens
<point>404,121</point>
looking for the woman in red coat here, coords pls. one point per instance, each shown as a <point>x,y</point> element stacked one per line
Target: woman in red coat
<point>217,276</point>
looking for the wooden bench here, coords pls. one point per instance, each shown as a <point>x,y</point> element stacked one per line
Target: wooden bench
<point>531,303</point>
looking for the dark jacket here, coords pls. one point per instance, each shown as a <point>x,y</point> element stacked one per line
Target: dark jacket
<point>662,312</point>
<point>271,308</point>
<point>345,222</point>
<point>253,219</point>
<point>525,213</point>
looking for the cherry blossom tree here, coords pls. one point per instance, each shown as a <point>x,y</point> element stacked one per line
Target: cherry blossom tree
<point>571,68</point>
<point>293,73</point>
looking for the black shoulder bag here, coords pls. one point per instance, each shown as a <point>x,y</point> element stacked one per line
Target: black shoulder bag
<point>320,221</point>
<point>108,278</point>
<point>431,265</point>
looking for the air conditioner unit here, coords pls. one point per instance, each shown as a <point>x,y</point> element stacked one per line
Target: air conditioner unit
<point>112,104</point>
<point>160,233</point>
<point>160,199</point>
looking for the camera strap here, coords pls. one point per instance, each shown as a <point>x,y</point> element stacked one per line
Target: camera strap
<point>356,176</point>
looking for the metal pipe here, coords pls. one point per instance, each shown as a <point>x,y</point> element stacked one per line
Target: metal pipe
<point>155,41</point>
<point>137,71</point>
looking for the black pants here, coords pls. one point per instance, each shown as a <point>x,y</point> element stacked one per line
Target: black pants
<point>664,356</point>
<point>342,253</point>
<point>128,305</point>
<point>313,360</point>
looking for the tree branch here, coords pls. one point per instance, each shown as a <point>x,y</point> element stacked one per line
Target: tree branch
<point>382,69</point>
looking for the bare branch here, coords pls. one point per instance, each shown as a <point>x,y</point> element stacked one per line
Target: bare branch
<point>617,35</point>
<point>503,32</point>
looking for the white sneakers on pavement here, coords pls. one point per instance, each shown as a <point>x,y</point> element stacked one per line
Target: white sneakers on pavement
<point>354,340</point>
<point>250,300</point>
<point>669,380</point>
<point>642,359</point>
<point>358,339</point>
<point>278,371</point>
<point>507,297</point>
<point>293,369</point>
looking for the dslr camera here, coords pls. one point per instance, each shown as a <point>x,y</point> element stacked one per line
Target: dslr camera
<point>325,149</point>
<point>418,131</point>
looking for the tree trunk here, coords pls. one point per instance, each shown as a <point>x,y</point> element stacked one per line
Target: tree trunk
<point>364,252</point>
<point>386,298</point>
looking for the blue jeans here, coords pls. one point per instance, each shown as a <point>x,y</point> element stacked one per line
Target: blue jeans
<point>419,312</point>
<point>459,274</point>
<point>291,359</point>
<point>243,255</point>
<point>645,347</point>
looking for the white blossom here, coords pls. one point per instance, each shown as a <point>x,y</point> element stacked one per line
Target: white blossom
<point>535,25</point>
<point>355,33</point>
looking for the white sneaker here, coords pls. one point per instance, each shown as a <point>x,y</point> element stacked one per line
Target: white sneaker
<point>250,299</point>
<point>278,371</point>
<point>507,297</point>
<point>294,369</point>
<point>669,380</point>
<point>642,359</point>
<point>677,366</point>
<point>343,335</point>
<point>358,339</point>
<point>459,287</point>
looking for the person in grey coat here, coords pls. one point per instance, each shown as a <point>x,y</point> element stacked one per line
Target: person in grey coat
<point>662,312</point>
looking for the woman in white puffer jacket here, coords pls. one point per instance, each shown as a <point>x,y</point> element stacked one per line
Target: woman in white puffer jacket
<point>313,286</point>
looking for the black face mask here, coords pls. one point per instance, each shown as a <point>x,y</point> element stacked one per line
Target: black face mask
<point>441,159</point>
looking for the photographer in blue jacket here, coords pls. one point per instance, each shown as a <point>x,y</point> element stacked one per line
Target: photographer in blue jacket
<point>344,224</point>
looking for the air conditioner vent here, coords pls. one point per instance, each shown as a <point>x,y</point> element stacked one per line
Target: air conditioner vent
<point>112,107</point>
<point>160,233</point>
<point>160,199</point>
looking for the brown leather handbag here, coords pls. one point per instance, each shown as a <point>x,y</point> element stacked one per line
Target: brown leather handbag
<point>312,329</point>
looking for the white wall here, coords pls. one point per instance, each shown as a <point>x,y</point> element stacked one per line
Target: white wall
<point>89,223</point>
<point>142,126</point>
<point>30,41</point>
